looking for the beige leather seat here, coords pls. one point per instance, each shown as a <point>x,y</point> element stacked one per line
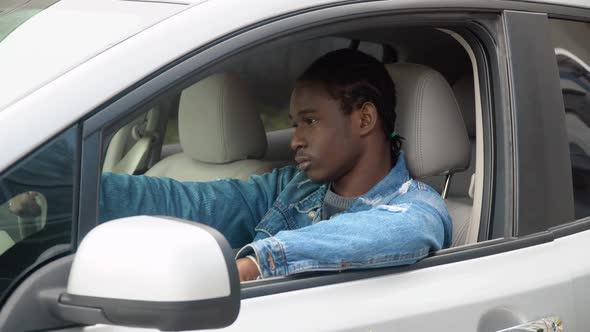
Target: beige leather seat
<point>462,181</point>
<point>437,142</point>
<point>461,190</point>
<point>220,132</point>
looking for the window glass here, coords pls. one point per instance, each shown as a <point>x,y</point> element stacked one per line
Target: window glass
<point>36,200</point>
<point>572,50</point>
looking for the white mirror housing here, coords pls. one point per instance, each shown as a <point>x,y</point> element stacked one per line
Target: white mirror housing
<point>156,272</point>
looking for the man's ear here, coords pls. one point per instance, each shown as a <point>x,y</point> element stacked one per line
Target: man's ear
<point>368,118</point>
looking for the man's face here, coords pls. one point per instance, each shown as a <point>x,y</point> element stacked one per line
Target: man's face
<point>326,141</point>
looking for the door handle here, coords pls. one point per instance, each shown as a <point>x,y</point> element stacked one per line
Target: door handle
<point>548,324</point>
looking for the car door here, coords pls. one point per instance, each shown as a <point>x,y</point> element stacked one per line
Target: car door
<point>489,291</point>
<point>502,282</point>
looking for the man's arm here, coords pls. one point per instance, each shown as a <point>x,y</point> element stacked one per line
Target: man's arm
<point>386,235</point>
<point>234,207</point>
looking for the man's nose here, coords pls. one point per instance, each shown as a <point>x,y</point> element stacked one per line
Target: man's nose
<point>297,141</point>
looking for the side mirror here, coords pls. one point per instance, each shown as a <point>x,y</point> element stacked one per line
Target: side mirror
<point>154,272</point>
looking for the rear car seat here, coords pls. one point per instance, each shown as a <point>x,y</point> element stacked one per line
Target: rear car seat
<point>220,132</point>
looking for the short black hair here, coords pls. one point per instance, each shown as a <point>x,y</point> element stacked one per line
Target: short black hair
<point>353,78</point>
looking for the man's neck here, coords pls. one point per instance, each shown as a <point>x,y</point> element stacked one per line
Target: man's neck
<point>365,175</point>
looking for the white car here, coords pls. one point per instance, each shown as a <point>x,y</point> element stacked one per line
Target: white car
<point>158,87</point>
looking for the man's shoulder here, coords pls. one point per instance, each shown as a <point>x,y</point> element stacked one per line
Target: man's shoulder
<point>420,193</point>
<point>413,190</point>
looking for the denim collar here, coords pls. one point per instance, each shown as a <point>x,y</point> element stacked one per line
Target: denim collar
<point>393,183</point>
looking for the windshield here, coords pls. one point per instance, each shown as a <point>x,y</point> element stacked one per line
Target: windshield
<point>15,12</point>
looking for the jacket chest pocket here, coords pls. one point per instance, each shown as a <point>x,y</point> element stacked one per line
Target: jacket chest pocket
<point>275,220</point>
<point>282,217</point>
<point>308,210</point>
<point>305,215</point>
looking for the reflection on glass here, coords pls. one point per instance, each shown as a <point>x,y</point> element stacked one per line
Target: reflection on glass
<point>575,86</point>
<point>31,210</point>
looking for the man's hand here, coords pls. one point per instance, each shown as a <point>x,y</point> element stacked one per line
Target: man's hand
<point>248,269</point>
<point>25,205</point>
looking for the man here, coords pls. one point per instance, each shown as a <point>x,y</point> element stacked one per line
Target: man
<point>349,203</point>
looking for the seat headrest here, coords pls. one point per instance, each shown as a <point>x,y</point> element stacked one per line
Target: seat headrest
<point>430,120</point>
<point>218,121</point>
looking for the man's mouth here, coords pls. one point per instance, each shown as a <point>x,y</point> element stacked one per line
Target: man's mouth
<point>302,162</point>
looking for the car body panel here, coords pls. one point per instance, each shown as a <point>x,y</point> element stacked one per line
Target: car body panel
<point>67,34</point>
<point>575,261</point>
<point>498,291</point>
<point>573,3</point>
<point>456,296</point>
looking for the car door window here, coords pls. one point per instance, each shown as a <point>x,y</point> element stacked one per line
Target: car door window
<point>221,115</point>
<point>36,200</point>
<point>572,51</point>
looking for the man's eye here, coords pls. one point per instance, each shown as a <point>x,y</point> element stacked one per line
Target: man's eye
<point>310,121</point>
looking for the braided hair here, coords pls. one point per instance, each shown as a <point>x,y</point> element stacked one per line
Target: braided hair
<point>354,78</point>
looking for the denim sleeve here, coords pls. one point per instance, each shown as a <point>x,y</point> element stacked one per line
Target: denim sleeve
<point>386,235</point>
<point>234,207</point>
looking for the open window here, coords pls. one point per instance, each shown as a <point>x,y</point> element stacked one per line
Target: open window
<point>231,117</point>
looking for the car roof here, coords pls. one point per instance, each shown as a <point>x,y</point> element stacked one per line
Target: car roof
<point>70,32</point>
<point>77,54</point>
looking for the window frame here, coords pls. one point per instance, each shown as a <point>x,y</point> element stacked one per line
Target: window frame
<point>202,63</point>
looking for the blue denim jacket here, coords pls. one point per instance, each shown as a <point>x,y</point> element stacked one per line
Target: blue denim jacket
<point>276,216</point>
